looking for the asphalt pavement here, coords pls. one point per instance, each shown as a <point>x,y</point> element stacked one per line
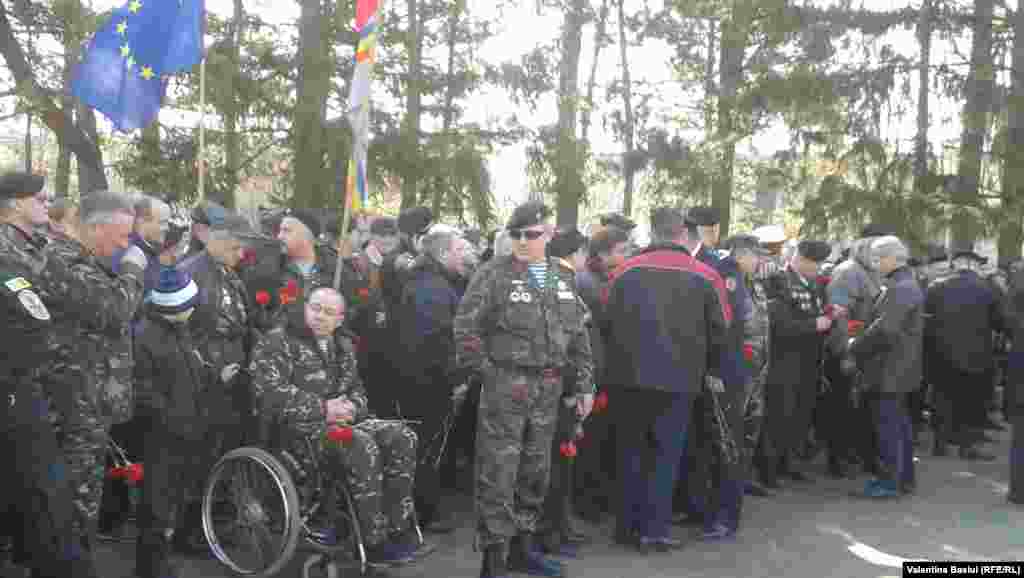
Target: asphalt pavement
<point>959,512</point>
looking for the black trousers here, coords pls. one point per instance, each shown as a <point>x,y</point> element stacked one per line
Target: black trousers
<point>35,497</point>
<point>173,464</point>
<point>558,501</point>
<point>958,405</point>
<point>427,400</point>
<point>1017,457</point>
<point>116,504</point>
<point>596,471</point>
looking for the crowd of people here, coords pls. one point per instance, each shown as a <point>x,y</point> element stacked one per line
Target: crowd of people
<point>580,375</point>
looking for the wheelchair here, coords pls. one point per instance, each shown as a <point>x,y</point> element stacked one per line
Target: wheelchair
<point>260,507</point>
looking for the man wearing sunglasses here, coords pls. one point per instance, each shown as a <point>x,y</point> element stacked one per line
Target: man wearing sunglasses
<point>521,326</point>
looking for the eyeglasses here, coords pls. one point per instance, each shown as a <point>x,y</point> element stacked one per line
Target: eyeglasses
<point>329,311</point>
<point>530,234</point>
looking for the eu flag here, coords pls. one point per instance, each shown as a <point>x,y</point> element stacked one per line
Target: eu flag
<point>123,72</point>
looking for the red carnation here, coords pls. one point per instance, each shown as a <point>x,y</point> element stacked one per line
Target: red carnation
<point>133,474</point>
<point>824,280</point>
<point>601,402</point>
<point>263,298</point>
<point>290,292</point>
<point>853,327</point>
<point>568,449</point>
<point>248,256</point>
<point>748,352</point>
<point>364,293</point>
<point>342,435</point>
<point>116,473</point>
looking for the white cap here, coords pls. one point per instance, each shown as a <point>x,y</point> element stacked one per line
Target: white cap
<point>770,234</point>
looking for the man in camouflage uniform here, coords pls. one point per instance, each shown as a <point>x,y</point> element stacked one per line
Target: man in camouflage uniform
<point>520,325</point>
<point>36,504</point>
<point>305,378</point>
<point>93,374</point>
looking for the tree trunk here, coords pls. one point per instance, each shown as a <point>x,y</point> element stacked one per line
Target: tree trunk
<point>413,44</point>
<point>62,183</point>
<point>449,101</point>
<point>600,31</point>
<point>709,81</point>
<point>924,36</point>
<point>314,83</point>
<point>980,84</point>
<point>627,104</point>
<point>1011,234</point>
<point>232,140</point>
<point>85,147</point>
<point>569,179</point>
<point>732,43</point>
<point>90,179</point>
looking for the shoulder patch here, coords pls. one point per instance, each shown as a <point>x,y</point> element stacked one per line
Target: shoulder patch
<point>17,284</point>
<point>31,302</point>
<point>730,283</point>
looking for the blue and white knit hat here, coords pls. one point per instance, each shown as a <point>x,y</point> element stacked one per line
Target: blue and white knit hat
<point>176,292</point>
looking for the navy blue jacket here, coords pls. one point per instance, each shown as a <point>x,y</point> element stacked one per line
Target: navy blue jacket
<point>963,312</point>
<point>735,371</point>
<point>667,317</point>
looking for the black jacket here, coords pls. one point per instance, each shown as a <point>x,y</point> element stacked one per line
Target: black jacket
<point>667,317</point>
<point>170,377</point>
<point>963,311</point>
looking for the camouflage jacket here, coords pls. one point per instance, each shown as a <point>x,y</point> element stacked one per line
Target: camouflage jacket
<point>95,308</point>
<point>292,377</point>
<point>221,323</point>
<point>505,318</point>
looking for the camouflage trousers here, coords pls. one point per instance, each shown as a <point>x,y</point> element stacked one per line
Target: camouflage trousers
<point>516,423</point>
<point>380,465</point>
<point>85,453</point>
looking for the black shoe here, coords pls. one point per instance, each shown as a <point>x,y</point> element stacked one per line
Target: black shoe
<point>772,483</point>
<point>940,450</point>
<point>975,455</point>
<point>908,487</point>
<point>837,470</point>
<point>624,537</point>
<point>757,490</point>
<point>526,558</point>
<point>1015,500</point>
<point>494,564</point>
<point>660,545</point>
<point>686,519</point>
<point>990,424</point>
<point>798,476</point>
<point>444,525</point>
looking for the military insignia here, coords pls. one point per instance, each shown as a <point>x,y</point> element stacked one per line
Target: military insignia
<point>34,305</point>
<point>17,284</point>
<point>562,286</point>
<point>730,283</point>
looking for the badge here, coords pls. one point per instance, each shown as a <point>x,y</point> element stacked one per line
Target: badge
<point>17,284</point>
<point>562,286</point>
<point>730,284</point>
<point>515,297</point>
<point>34,305</point>
<point>11,400</point>
<point>526,297</point>
<point>566,295</point>
<point>382,318</point>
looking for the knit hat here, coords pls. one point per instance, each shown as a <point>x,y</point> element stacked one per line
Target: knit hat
<point>175,293</point>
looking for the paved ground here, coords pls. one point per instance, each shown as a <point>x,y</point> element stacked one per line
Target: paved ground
<point>815,529</point>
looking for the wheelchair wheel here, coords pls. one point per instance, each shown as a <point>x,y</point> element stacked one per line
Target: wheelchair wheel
<point>251,513</point>
<point>345,546</point>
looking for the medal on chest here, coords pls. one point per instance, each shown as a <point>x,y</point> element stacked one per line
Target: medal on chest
<point>520,293</point>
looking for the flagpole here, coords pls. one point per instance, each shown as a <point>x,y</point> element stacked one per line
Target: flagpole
<point>202,129</point>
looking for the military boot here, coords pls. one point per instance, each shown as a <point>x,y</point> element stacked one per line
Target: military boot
<point>494,564</point>
<point>526,558</point>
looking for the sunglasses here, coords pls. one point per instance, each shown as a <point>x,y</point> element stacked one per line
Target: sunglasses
<point>530,234</point>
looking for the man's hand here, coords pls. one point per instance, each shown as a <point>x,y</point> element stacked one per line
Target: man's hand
<point>339,410</point>
<point>228,373</point>
<point>715,384</point>
<point>823,324</point>
<point>584,405</point>
<point>134,256</point>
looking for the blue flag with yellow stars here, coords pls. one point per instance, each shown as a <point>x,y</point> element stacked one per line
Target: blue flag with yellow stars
<point>124,68</point>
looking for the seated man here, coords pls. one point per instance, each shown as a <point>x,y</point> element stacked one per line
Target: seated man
<point>306,379</point>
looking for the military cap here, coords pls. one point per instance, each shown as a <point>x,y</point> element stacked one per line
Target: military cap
<point>702,216</point>
<point>876,230</point>
<point>209,213</point>
<point>617,220</point>
<point>528,215</point>
<point>970,255</point>
<point>20,185</point>
<point>914,262</point>
<point>746,243</point>
<point>565,242</point>
<point>234,224</point>
<point>308,218</point>
<point>770,234</point>
<point>817,251</point>
<point>384,226</point>
<point>415,221</point>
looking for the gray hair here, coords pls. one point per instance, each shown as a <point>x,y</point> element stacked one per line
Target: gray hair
<point>105,207</point>
<point>889,246</point>
<point>502,244</point>
<point>436,243</point>
<point>147,205</point>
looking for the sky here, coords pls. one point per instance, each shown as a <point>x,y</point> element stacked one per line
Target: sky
<point>522,28</point>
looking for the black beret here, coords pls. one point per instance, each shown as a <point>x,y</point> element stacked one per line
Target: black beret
<point>817,251</point>
<point>665,218</point>
<point>702,216</point>
<point>617,220</point>
<point>971,255</point>
<point>308,218</point>
<point>415,221</point>
<point>876,230</point>
<point>914,262</point>
<point>384,226</point>
<point>565,242</point>
<point>528,215</point>
<point>745,243</point>
<point>20,185</point>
